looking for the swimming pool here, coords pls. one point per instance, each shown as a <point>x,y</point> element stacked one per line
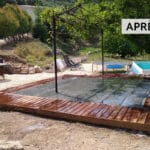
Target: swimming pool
<point>141,67</point>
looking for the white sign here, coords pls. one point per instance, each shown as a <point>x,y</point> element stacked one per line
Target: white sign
<point>135,26</point>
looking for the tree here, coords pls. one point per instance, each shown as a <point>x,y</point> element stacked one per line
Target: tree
<point>120,45</point>
<point>40,31</point>
<point>23,18</point>
<point>85,22</point>
<point>89,19</point>
<point>8,24</point>
<point>14,22</point>
<point>135,9</point>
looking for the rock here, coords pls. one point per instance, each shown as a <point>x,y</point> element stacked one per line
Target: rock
<point>37,69</point>
<point>31,70</point>
<point>60,65</point>
<point>16,68</point>
<point>24,70</point>
<point>11,145</point>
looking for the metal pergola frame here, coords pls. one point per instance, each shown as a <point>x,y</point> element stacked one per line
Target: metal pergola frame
<point>54,19</point>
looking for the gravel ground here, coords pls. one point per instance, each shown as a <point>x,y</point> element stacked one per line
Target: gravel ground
<point>36,133</point>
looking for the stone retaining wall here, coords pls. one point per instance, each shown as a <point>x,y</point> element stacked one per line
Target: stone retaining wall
<point>20,68</point>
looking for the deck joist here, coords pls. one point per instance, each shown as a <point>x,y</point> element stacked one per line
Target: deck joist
<point>87,112</point>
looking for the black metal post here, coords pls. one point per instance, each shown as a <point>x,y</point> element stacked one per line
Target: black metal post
<point>102,52</point>
<point>55,51</point>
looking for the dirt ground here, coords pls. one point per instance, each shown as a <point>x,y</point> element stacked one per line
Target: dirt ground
<point>36,133</point>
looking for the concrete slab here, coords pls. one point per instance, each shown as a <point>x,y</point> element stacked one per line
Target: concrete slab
<point>124,92</point>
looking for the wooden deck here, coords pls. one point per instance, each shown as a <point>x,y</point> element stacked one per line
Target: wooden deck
<point>147,103</point>
<point>99,114</point>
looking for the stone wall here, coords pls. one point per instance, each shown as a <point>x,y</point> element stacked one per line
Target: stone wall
<point>19,68</point>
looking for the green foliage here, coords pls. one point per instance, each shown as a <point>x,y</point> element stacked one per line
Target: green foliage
<point>47,13</point>
<point>118,44</point>
<point>135,9</point>
<point>13,21</point>
<point>92,53</point>
<point>40,31</point>
<point>88,21</point>
<point>22,16</point>
<point>84,23</point>
<point>7,26</point>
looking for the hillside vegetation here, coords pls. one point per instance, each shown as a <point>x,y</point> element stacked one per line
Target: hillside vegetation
<point>34,52</point>
<point>78,28</point>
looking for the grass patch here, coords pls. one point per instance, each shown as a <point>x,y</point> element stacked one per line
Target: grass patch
<point>95,54</point>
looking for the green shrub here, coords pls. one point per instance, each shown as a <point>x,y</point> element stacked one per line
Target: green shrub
<point>40,31</point>
<point>118,44</point>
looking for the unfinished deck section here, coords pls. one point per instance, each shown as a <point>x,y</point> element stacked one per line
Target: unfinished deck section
<point>99,114</point>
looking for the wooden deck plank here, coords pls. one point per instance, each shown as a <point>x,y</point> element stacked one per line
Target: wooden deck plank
<point>127,116</point>
<point>15,101</point>
<point>147,121</point>
<point>55,105</point>
<point>62,109</point>
<point>35,103</point>
<point>102,111</point>
<point>71,110</point>
<point>40,103</point>
<point>22,100</point>
<point>29,102</point>
<point>85,109</point>
<point>108,112</point>
<point>121,113</point>
<point>142,117</point>
<point>90,110</point>
<point>51,103</point>
<point>79,108</point>
<point>95,111</point>
<point>100,114</point>
<point>135,114</point>
<point>5,98</point>
<point>114,113</point>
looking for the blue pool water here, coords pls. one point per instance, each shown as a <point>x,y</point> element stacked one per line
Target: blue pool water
<point>115,66</point>
<point>145,65</point>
